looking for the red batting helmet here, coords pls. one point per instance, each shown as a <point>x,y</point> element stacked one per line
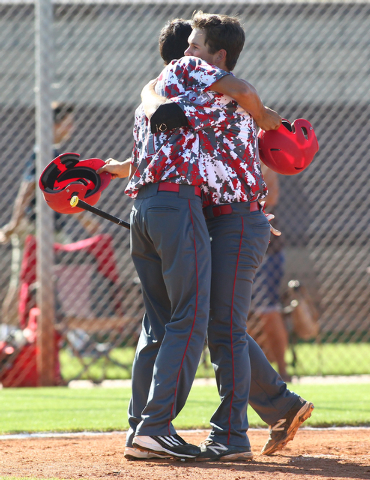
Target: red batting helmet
<point>67,176</point>
<point>289,149</point>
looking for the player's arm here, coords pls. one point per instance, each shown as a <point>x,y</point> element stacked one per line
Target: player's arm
<point>241,91</point>
<point>247,97</point>
<point>189,74</point>
<point>272,182</point>
<point>150,99</point>
<point>115,168</point>
<point>24,196</point>
<point>164,115</point>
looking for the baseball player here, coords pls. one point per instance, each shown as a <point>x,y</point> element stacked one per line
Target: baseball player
<point>295,409</point>
<point>170,248</point>
<point>223,449</point>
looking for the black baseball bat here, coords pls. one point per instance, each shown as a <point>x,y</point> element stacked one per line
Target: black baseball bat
<point>76,202</point>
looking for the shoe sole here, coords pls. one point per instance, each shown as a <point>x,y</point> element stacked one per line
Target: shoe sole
<point>301,416</point>
<point>232,457</point>
<point>161,451</point>
<point>141,455</point>
<point>149,457</point>
<point>245,456</point>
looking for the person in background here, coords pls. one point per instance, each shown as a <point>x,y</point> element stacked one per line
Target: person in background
<point>23,220</point>
<point>266,288</point>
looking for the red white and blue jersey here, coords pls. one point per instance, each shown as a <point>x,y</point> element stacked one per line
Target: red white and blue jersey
<point>171,156</point>
<point>228,147</point>
<point>220,150</point>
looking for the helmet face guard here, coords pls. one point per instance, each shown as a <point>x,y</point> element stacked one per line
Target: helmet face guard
<point>67,176</point>
<point>289,149</point>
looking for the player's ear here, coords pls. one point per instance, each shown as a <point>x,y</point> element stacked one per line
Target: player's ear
<point>221,55</point>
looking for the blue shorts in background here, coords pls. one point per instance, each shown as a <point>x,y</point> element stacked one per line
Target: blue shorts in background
<point>266,285</point>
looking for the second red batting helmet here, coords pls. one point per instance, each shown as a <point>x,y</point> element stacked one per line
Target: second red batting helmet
<point>289,149</point>
<point>67,176</point>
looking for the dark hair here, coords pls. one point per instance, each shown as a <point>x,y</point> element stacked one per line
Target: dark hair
<point>221,32</point>
<point>173,39</point>
<point>61,110</point>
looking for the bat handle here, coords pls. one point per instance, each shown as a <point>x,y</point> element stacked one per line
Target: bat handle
<point>75,202</point>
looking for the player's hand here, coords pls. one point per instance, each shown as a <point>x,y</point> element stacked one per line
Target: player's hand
<point>269,217</point>
<point>150,99</point>
<point>115,168</point>
<point>151,84</point>
<point>5,233</point>
<point>270,120</point>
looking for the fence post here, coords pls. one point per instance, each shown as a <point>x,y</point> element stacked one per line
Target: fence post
<point>44,217</point>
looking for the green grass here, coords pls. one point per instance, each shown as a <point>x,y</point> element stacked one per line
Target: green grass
<point>71,366</point>
<point>328,359</point>
<point>102,409</point>
<point>331,359</point>
<point>334,405</point>
<point>63,409</point>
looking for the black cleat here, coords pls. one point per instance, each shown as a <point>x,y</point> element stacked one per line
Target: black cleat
<point>166,445</point>
<point>210,450</point>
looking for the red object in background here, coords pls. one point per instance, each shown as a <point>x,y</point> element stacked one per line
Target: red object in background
<point>100,246</point>
<point>20,364</point>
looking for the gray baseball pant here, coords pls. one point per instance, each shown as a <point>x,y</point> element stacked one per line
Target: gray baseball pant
<point>171,251</point>
<point>269,395</point>
<point>239,242</point>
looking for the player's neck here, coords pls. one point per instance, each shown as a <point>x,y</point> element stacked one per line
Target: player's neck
<point>221,64</point>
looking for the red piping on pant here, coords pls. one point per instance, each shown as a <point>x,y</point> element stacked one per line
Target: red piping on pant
<point>231,327</point>
<point>192,327</point>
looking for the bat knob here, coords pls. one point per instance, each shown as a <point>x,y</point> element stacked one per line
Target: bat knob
<point>74,201</point>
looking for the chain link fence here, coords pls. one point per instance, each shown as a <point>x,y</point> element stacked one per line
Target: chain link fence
<point>307,60</point>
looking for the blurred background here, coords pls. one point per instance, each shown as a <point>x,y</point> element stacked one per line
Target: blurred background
<point>307,60</point>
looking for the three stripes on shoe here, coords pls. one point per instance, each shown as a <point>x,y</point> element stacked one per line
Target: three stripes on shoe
<point>169,440</point>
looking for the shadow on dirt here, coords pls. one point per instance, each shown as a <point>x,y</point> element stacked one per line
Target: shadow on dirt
<point>325,466</point>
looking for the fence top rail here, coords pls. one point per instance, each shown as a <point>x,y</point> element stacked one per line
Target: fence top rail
<point>185,2</point>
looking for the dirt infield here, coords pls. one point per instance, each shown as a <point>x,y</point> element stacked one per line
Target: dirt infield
<point>314,454</point>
